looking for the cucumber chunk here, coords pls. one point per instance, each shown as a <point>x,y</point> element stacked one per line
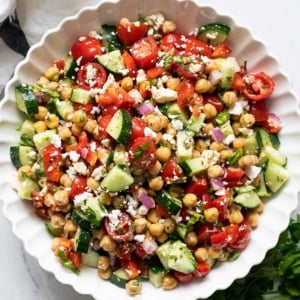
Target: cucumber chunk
<point>70,67</point>
<point>119,126</point>
<point>113,61</point>
<point>213,33</point>
<point>249,199</point>
<point>44,138</point>
<point>90,259</point>
<point>64,109</point>
<point>172,204</point>
<point>117,180</point>
<point>26,100</point>
<point>80,219</point>
<point>82,240</point>
<point>185,145</point>
<point>119,278</point>
<point>81,96</point>
<point>94,210</point>
<point>156,275</point>
<point>275,176</point>
<point>26,187</point>
<point>110,38</point>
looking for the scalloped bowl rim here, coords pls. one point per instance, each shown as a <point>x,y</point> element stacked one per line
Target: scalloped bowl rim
<point>219,278</point>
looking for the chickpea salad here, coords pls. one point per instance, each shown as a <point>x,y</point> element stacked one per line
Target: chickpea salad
<point>149,153</point>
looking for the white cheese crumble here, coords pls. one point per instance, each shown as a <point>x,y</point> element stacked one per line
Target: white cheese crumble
<point>141,76</point>
<point>139,238</point>
<point>163,95</point>
<point>99,173</point>
<point>113,217</point>
<point>177,124</point>
<point>56,140</point>
<point>150,133</point>
<point>252,172</point>
<point>79,200</point>
<point>80,167</point>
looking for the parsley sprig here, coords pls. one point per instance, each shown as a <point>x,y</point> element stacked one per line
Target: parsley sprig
<point>277,277</point>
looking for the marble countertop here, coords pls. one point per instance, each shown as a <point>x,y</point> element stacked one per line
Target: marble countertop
<point>274,22</point>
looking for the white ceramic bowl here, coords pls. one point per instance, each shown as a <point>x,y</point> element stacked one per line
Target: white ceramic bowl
<point>188,15</point>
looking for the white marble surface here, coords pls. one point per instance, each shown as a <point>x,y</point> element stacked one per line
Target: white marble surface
<point>277,23</point>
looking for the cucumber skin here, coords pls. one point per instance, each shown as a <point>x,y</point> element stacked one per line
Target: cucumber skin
<point>26,100</point>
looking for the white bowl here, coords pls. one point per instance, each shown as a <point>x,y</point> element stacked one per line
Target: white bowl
<point>188,15</point>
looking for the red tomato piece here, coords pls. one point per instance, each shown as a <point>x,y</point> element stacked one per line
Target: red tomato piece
<point>185,70</point>
<point>243,238</point>
<point>130,32</point>
<point>103,123</point>
<point>206,201</point>
<point>140,251</point>
<point>125,250</point>
<point>214,100</point>
<point>163,212</point>
<point>173,40</point>
<point>195,46</point>
<point>60,64</point>
<point>131,268</point>
<point>185,93</point>
<point>259,110</point>
<point>197,186</point>
<point>233,173</point>
<point>203,268</point>
<point>221,203</point>
<point>129,64</point>
<point>91,75</point>
<point>123,230</point>
<point>272,123</point>
<point>221,50</point>
<point>171,171</point>
<point>237,82</point>
<point>231,232</point>
<point>182,277</point>
<point>155,72</point>
<point>75,258</point>
<point>257,86</point>
<point>78,186</point>
<point>205,231</point>
<point>141,153</point>
<point>137,129</point>
<point>86,49</point>
<point>52,160</point>
<point>218,240</point>
<point>145,52</point>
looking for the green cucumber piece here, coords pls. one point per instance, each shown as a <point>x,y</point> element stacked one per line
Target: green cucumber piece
<point>251,145</point>
<point>27,129</point>
<point>113,61</point>
<point>119,126</point>
<point>185,145</point>
<point>80,219</point>
<point>194,166</point>
<point>264,139</point>
<point>262,190</point>
<point>110,38</point>
<point>248,199</point>
<point>156,275</point>
<point>272,155</point>
<point>213,33</point>
<point>26,187</point>
<point>195,123</point>
<point>82,240</point>
<point>26,100</point>
<point>90,259</point>
<point>44,139</point>
<point>275,176</point>
<point>81,96</point>
<point>64,109</point>
<point>14,156</point>
<point>117,180</point>
<point>27,155</point>
<point>54,231</point>
<point>172,204</point>
<point>119,278</point>
<point>71,67</point>
<point>94,210</point>
<point>175,111</point>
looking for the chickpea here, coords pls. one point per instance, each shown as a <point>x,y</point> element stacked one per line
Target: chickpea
<point>162,238</point>
<point>163,154</point>
<point>105,198</point>
<point>229,98</point>
<point>39,126</point>
<point>51,73</point>
<point>156,229</point>
<point>247,120</point>
<point>103,262</point>
<point>127,83</point>
<point>209,110</point>
<point>170,225</point>
<point>260,208</point>
<point>215,171</point>
<point>211,214</point>
<point>196,153</point>
<point>140,225</point>
<point>156,183</point>
<point>238,143</point>
<point>235,216</point>
<point>200,145</point>
<point>76,130</point>
<point>189,200</point>
<point>153,216</point>
<point>133,287</point>
<point>169,282</point>
<point>191,239</point>
<point>49,200</point>
<point>65,93</point>
<point>107,243</point>
<point>42,81</point>
<point>43,111</point>
<point>61,197</point>
<point>98,233</point>
<point>144,89</point>
<point>64,133</point>
<point>171,130</point>
<point>202,86</point>
<point>216,146</point>
<point>207,128</point>
<point>92,183</point>
<point>211,66</point>
<point>52,85</point>
<point>248,160</point>
<point>65,180</point>
<point>236,128</point>
<point>70,228</point>
<point>79,118</point>
<point>102,154</point>
<point>201,254</point>
<point>155,170</point>
<point>57,220</point>
<point>168,26</point>
<point>105,274</point>
<point>90,126</point>
<point>253,218</point>
<point>52,121</point>
<point>225,154</point>
<point>24,171</point>
<point>173,83</point>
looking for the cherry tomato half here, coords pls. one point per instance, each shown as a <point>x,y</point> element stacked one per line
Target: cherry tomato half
<point>86,49</point>
<point>145,52</point>
<point>171,171</point>
<point>141,153</point>
<point>78,186</point>
<point>137,129</point>
<point>257,86</point>
<point>182,277</point>
<point>91,75</point>
<point>130,32</point>
<point>51,160</point>
<point>243,236</point>
<point>197,186</point>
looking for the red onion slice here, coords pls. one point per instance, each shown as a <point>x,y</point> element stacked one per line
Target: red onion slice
<point>146,200</point>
